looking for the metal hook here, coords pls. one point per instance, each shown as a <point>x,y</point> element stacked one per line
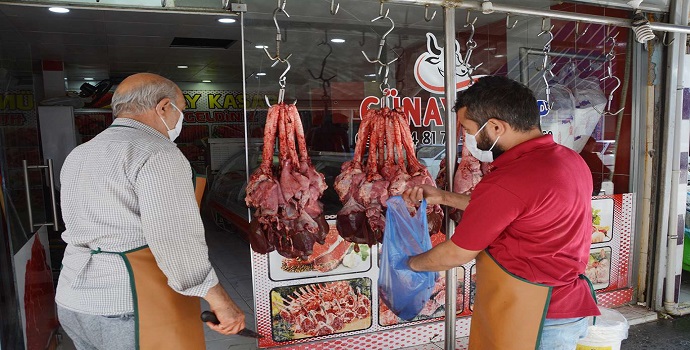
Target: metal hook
<point>381,11</point>
<point>663,40</point>
<point>281,78</point>
<point>508,26</point>
<point>382,43</point>
<point>426,14</point>
<point>578,35</point>
<point>467,20</point>
<point>543,27</point>
<point>280,8</point>
<point>607,110</point>
<point>334,8</point>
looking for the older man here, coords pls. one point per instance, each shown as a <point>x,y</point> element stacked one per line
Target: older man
<point>528,223</point>
<point>136,260</point>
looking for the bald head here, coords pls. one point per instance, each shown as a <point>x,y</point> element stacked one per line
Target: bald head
<point>141,92</point>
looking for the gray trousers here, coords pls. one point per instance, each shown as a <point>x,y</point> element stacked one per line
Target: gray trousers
<point>93,332</point>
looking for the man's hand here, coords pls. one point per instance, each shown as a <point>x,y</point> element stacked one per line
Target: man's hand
<point>432,194</point>
<point>231,319</point>
<point>229,314</point>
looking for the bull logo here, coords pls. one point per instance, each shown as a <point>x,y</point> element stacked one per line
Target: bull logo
<point>429,68</point>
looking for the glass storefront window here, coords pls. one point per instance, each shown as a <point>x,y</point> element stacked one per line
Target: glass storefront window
<point>333,83</point>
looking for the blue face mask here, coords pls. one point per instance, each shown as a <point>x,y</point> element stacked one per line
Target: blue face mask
<point>471,144</point>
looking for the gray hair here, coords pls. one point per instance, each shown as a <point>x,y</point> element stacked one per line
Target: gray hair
<point>143,97</point>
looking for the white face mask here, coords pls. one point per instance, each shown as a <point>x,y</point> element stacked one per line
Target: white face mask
<point>471,144</point>
<point>174,133</point>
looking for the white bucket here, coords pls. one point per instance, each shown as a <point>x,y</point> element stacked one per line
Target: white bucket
<point>608,333</point>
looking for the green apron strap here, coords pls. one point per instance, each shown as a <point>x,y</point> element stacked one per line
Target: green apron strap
<point>132,285</point>
<point>594,294</point>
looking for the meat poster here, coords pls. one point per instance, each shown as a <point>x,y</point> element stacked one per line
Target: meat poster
<point>294,309</point>
<point>335,257</point>
<point>602,220</point>
<point>599,267</point>
<point>35,290</point>
<point>318,309</point>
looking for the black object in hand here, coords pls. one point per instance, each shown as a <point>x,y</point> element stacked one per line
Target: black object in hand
<point>209,316</point>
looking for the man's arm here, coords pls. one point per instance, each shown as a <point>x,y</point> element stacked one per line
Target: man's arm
<point>444,256</point>
<point>228,313</point>
<point>435,195</point>
<point>174,231</point>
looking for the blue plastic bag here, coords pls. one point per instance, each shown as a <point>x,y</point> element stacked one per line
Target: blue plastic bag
<point>404,291</point>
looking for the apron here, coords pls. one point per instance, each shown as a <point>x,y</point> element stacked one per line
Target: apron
<point>509,310</point>
<point>164,319</point>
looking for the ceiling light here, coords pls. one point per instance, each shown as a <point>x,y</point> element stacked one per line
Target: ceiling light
<point>58,9</point>
<point>370,75</point>
<point>182,67</point>
<point>489,48</point>
<point>88,79</point>
<point>261,74</point>
<point>205,81</point>
<point>65,78</point>
<point>261,47</point>
<point>337,40</point>
<point>226,20</point>
<point>499,56</point>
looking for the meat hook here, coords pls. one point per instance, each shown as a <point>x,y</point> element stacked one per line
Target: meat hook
<point>610,56</point>
<point>334,8</point>
<point>578,35</point>
<point>426,14</point>
<point>508,25</point>
<point>546,65</point>
<point>382,43</point>
<point>663,40</point>
<point>280,8</point>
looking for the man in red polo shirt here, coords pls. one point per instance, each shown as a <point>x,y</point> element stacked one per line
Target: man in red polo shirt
<point>528,223</point>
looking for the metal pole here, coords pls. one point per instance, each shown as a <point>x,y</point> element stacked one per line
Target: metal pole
<point>672,170</point>
<point>244,111</point>
<point>51,178</point>
<point>28,195</point>
<point>524,11</point>
<point>451,161</point>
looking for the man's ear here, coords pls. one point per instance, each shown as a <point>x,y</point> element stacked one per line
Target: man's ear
<point>162,103</point>
<point>499,126</point>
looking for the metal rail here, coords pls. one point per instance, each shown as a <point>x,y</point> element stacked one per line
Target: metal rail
<point>553,14</point>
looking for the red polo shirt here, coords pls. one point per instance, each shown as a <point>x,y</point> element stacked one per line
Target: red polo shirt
<point>534,214</point>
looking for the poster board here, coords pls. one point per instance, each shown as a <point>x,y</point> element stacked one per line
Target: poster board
<point>372,325</point>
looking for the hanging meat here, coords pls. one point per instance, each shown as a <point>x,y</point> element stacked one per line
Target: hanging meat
<point>391,167</point>
<point>288,215</point>
<point>467,175</point>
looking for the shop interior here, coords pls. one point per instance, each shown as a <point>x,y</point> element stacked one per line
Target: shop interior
<point>321,61</point>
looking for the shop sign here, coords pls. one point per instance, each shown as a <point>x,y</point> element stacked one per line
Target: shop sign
<point>429,69</point>
<point>221,100</point>
<point>21,101</point>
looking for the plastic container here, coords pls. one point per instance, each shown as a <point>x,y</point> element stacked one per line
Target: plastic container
<point>608,333</point>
